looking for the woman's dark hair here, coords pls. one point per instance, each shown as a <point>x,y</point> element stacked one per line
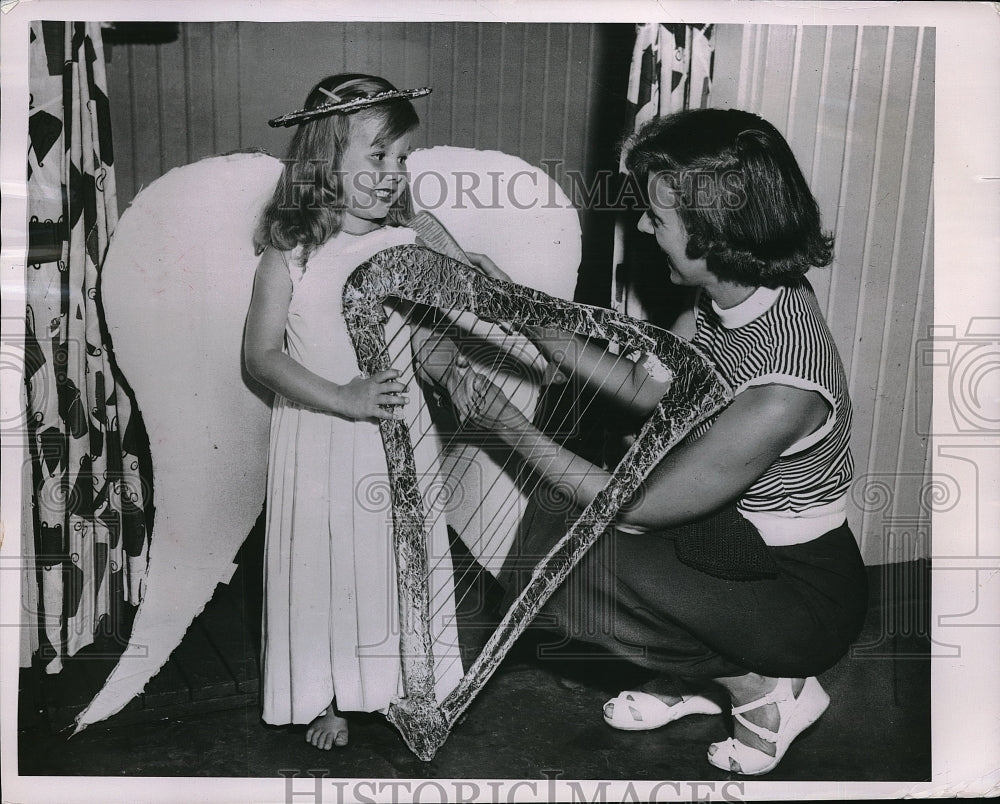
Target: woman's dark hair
<point>306,207</point>
<point>739,192</point>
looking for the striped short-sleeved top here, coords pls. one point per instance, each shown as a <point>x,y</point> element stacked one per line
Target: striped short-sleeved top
<point>779,336</point>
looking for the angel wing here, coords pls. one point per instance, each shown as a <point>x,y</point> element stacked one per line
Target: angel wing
<point>176,286</point>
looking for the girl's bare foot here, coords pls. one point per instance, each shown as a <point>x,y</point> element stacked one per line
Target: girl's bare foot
<point>328,729</point>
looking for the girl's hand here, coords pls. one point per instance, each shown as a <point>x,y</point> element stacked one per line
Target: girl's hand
<point>478,401</point>
<point>487,267</point>
<point>363,397</point>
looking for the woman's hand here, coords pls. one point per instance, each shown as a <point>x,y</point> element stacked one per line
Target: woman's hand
<point>364,397</point>
<point>480,402</point>
<point>487,267</point>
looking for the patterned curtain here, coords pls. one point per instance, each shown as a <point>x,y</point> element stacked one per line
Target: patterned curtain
<point>671,70</point>
<point>88,502</point>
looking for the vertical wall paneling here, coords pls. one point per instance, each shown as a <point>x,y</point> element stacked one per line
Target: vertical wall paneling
<point>793,93</point>
<point>441,77</point>
<point>227,102</point>
<point>456,88</point>
<point>394,54</point>
<point>776,74</point>
<point>556,91</point>
<point>199,89</point>
<point>805,108</point>
<point>510,130</point>
<point>853,230</point>
<point>576,108</point>
<point>889,246</point>
<point>759,60</point>
<point>533,91</point>
<point>414,56</point>
<point>872,290</point>
<point>147,161</point>
<point>173,103</point>
<point>489,39</point>
<point>589,84</point>
<point>731,62</point>
<point>834,135</point>
<point>748,64</point>
<point>464,100</point>
<point>545,78</point>
<point>569,100</point>
<point>120,101</point>
<point>857,105</point>
<point>913,487</point>
<point>914,423</point>
<point>920,402</point>
<point>420,36</point>
<point>241,113</point>
<point>501,84</point>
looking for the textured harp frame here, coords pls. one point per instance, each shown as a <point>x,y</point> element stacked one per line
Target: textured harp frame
<point>416,274</point>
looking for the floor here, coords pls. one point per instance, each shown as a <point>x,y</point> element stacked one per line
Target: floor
<point>540,716</point>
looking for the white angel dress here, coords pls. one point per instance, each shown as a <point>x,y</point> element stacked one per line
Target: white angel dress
<point>330,602</point>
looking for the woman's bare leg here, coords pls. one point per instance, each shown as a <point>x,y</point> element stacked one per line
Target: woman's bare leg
<point>753,687</point>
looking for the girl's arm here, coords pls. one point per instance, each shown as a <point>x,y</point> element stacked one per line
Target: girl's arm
<point>691,481</point>
<point>267,362</point>
<point>625,381</point>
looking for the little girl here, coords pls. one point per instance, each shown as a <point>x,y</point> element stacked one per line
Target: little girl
<point>330,635</point>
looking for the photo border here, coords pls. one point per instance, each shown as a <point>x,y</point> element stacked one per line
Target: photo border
<point>965,707</point>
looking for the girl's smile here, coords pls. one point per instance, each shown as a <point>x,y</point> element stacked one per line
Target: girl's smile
<point>374,175</point>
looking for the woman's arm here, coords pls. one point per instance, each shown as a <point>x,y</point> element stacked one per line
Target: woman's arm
<point>743,442</point>
<point>691,481</point>
<point>615,376</point>
<point>267,362</point>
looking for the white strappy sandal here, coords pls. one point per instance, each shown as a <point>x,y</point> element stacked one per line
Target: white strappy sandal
<point>640,711</point>
<point>795,714</point>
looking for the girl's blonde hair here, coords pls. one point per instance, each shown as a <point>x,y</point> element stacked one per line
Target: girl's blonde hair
<point>306,208</point>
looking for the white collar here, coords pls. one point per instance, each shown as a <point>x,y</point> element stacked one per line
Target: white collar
<point>751,308</point>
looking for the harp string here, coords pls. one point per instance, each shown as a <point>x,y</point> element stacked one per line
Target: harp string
<point>500,536</point>
<point>495,535</point>
<point>441,333</point>
<point>568,415</point>
<point>438,326</point>
<point>451,438</point>
<point>398,343</point>
<point>492,535</point>
<point>559,426</point>
<point>539,480</point>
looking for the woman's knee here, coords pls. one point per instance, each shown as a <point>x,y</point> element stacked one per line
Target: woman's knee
<point>795,654</point>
